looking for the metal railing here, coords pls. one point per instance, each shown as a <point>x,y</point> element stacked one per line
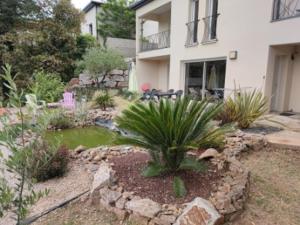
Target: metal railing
<point>284,9</point>
<point>155,41</point>
<point>210,28</point>
<point>192,33</point>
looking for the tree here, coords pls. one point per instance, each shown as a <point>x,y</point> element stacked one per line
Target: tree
<point>169,129</point>
<point>116,20</point>
<point>100,62</point>
<point>19,197</point>
<point>15,13</point>
<point>47,43</point>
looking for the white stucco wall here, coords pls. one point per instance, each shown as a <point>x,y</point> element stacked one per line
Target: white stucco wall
<point>243,26</point>
<point>90,18</point>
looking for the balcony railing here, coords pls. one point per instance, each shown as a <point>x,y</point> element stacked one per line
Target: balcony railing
<point>192,33</point>
<point>210,28</point>
<point>284,9</point>
<point>156,41</point>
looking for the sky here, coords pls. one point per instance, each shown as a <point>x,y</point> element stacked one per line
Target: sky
<point>80,4</point>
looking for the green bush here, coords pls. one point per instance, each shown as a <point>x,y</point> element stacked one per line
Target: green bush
<point>100,62</point>
<point>103,99</point>
<point>169,129</point>
<point>243,108</point>
<point>59,120</point>
<point>47,87</point>
<point>48,161</point>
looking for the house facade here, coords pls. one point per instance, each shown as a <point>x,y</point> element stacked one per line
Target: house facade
<point>209,47</point>
<point>89,26</point>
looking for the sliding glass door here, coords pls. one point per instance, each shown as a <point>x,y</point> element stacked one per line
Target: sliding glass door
<point>205,79</point>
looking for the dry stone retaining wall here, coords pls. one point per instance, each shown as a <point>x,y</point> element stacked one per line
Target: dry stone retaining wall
<point>224,204</point>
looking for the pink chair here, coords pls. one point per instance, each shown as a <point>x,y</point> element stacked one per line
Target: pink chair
<point>68,101</point>
<point>145,87</point>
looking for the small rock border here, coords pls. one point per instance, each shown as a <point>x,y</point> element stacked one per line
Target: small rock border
<point>225,204</point>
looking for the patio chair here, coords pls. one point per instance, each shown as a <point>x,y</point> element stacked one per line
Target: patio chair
<point>69,101</point>
<point>145,87</point>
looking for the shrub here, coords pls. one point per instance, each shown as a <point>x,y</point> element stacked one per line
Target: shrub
<point>103,99</point>
<point>48,161</point>
<point>100,62</point>
<point>244,108</point>
<point>169,129</point>
<point>59,120</point>
<point>47,87</point>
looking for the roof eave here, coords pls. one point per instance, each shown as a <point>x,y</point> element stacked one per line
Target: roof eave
<point>139,4</point>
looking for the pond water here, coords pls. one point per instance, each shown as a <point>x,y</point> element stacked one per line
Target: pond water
<point>90,137</point>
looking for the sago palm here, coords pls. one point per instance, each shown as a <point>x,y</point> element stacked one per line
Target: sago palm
<point>168,129</point>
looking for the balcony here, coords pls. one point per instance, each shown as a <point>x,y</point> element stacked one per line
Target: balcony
<point>210,29</point>
<point>285,9</point>
<point>192,34</point>
<point>155,41</point>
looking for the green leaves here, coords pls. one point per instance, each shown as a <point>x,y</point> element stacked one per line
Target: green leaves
<point>153,170</point>
<point>179,187</point>
<point>193,164</point>
<point>169,128</point>
<point>116,20</point>
<point>244,108</point>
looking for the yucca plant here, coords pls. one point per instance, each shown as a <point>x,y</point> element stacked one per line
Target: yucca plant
<point>103,99</point>
<point>244,108</point>
<point>168,129</point>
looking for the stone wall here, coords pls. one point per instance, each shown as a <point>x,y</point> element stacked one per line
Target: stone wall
<point>224,204</point>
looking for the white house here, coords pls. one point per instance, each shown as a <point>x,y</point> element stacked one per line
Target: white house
<point>89,26</point>
<point>206,46</point>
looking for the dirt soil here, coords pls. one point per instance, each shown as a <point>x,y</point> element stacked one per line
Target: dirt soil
<point>160,189</point>
<point>275,188</point>
<point>274,195</point>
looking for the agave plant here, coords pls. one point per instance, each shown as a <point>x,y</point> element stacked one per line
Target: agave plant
<point>244,108</point>
<point>168,129</point>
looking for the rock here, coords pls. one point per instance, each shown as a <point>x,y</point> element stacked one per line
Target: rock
<point>102,177</point>
<point>121,214</point>
<point>109,196</point>
<point>199,212</point>
<point>144,207</point>
<point>137,219</point>
<point>164,220</point>
<point>209,153</point>
<point>80,149</point>
<point>121,203</point>
<point>99,156</point>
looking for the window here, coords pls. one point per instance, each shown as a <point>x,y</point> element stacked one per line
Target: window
<point>206,79</point>
<point>210,21</point>
<point>192,25</point>
<point>286,9</point>
<point>91,28</point>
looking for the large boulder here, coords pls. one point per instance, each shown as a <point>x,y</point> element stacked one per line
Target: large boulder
<point>103,177</point>
<point>144,207</point>
<point>199,212</point>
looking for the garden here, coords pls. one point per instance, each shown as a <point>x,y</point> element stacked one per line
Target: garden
<point>81,153</point>
<point>158,161</point>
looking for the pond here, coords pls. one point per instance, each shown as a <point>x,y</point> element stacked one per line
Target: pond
<point>90,137</point>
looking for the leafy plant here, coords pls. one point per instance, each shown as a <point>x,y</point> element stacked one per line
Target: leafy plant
<point>47,87</point>
<point>100,62</point>
<point>16,198</point>
<point>179,187</point>
<point>58,119</point>
<point>169,129</point>
<point>48,161</point>
<point>244,108</point>
<point>116,20</point>
<point>103,99</point>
